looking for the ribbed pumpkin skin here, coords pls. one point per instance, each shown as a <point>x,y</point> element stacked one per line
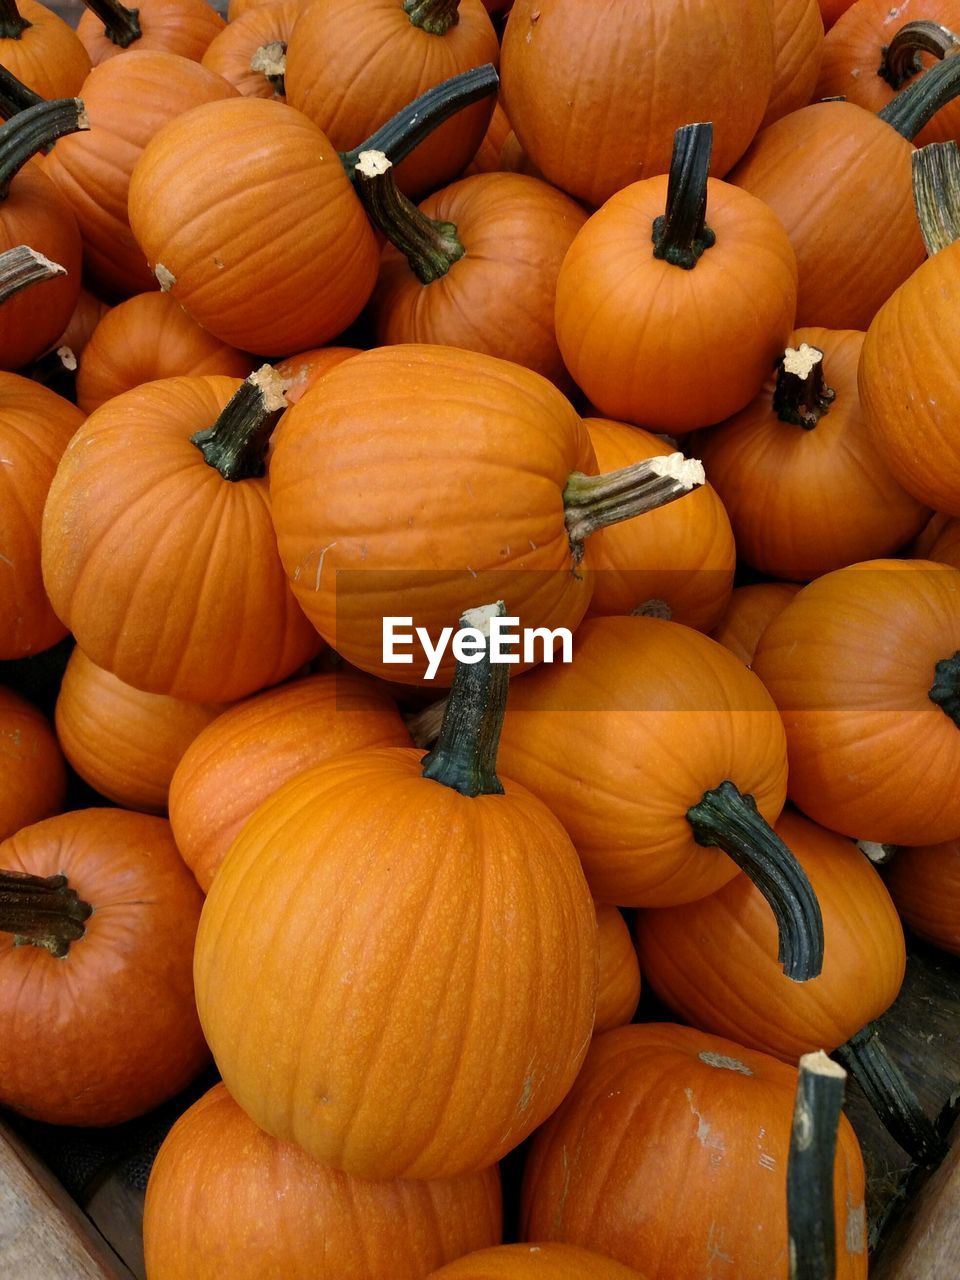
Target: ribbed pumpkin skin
<point>252,749</point>
<point>184,27</point>
<point>622,741</point>
<point>838,178</point>
<point>596,91</point>
<point>110,1030</point>
<point>442,1047</point>
<point>33,779</point>
<point>164,571</point>
<point>697,956</point>
<point>35,426</point>
<point>925,884</point>
<point>224,1198</point>
<point>908,384</point>
<point>805,502</point>
<point>499,297</point>
<point>122,741</point>
<point>201,216</point>
<point>618,990</point>
<point>229,53</point>
<point>666,348</point>
<point>127,102</point>
<point>850,662</point>
<point>683,553</point>
<point>380,64</point>
<point>752,608</point>
<point>48,57</point>
<point>444,460</point>
<point>534,1262</point>
<point>146,338</point>
<point>853,51</point>
<point>673,1145</point>
<point>797,53</point>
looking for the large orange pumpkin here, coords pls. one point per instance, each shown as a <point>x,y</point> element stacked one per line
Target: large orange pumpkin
<point>798,49</point>
<point>33,779</point>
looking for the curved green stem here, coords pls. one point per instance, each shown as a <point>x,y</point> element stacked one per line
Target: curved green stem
<point>42,911</point>
<point>271,61</point>
<point>120,24</point>
<point>14,94</point>
<point>408,128</point>
<point>801,396</point>
<point>936,194</point>
<point>433,16</point>
<point>33,129</point>
<point>22,267</point>
<point>729,820</point>
<point>813,1144</point>
<point>12,24</point>
<point>916,105</point>
<point>430,247</point>
<point>900,59</point>
<point>945,690</point>
<point>236,444</point>
<point>465,755</point>
<point>888,1093</point>
<point>681,235</point>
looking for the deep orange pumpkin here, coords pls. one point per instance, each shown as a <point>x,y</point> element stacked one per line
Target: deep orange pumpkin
<point>925,884</point>
<point>618,990</point>
<point>798,49</point>
<point>225,1198</point>
<point>230,53</point>
<point>183,27</point>
<point>751,610</point>
<point>87,314</point>
<point>535,1262</point>
<point>33,779</point>
<point>301,371</point>
<point>41,49</point>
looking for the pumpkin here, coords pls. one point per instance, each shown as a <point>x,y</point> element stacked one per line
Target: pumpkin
<point>678,561</point>
<point>939,539</point>
<point>664,319</point>
<point>35,426</point>
<point>33,779</point>
<point>87,314</point>
<point>595,92</point>
<point>862,664</point>
<point>752,607</point>
<point>534,1262</point>
<point>122,741</point>
<point>658,1111</point>
<point>618,988</point>
<point>143,339</point>
<point>252,749</point>
<point>442,1047</point>
<point>158,551</point>
<point>97,919</point>
<point>488,155</point>
<point>493,491</point>
<point>41,49</point>
<point>301,371</point>
<point>250,51</point>
<point>832,9</point>
<point>183,27</point>
<point>387,55</point>
<point>646,746</point>
<point>797,470</point>
<point>224,1195</point>
<point>924,884</point>
<point>127,101</point>
<point>798,49</point>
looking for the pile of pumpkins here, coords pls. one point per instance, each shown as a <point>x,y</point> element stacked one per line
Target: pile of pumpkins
<point>573,345</point>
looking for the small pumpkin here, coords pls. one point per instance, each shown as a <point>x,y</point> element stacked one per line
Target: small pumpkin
<point>41,49</point>
<point>301,371</point>
<point>618,989</point>
<point>924,882</point>
<point>184,27</point>
<point>549,1261</point>
<point>250,52</point>
<point>752,608</point>
<point>33,778</point>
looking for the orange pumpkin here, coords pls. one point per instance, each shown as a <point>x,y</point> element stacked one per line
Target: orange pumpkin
<point>939,540</point>
<point>225,1197</point>
<point>301,371</point>
<point>41,49</point>
<point>258,36</point>
<point>183,27</point>
<point>798,49</point>
<point>87,314</point>
<point>33,779</point>
<point>534,1262</point>
<point>751,610</point>
<point>618,989</point>
<point>925,884</point>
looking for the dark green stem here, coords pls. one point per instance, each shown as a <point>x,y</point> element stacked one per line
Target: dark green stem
<point>729,820</point>
<point>801,397</point>
<point>22,267</point>
<point>465,756</point>
<point>14,94</point>
<point>120,24</point>
<point>12,25</point>
<point>900,59</point>
<point>888,1093</point>
<point>431,248</point>
<point>681,235</point>
<point>594,502</point>
<point>42,911</point>
<point>936,194</point>
<point>945,690</point>
<point>236,444</point>
<point>33,129</point>
<point>271,61</point>
<point>916,105</point>
<point>408,128</point>
<point>813,1144</point>
<point>433,16</point>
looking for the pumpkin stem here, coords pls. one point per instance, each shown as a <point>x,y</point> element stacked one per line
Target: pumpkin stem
<point>431,248</point>
<point>916,105</point>
<point>936,194</point>
<point>120,24</point>
<point>681,235</point>
<point>813,1144</point>
<point>237,442</point>
<point>42,911</point>
<point>888,1093</point>
<point>14,94</point>
<point>408,128</point>
<point>879,854</point>
<point>12,25</point>
<point>271,61</point>
<point>593,502</point>
<point>433,16</point>
<point>945,690</point>
<point>900,59</point>
<point>729,820</point>
<point>465,756</point>
<point>21,267</point>
<point>801,396</point>
<point>33,129</point>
